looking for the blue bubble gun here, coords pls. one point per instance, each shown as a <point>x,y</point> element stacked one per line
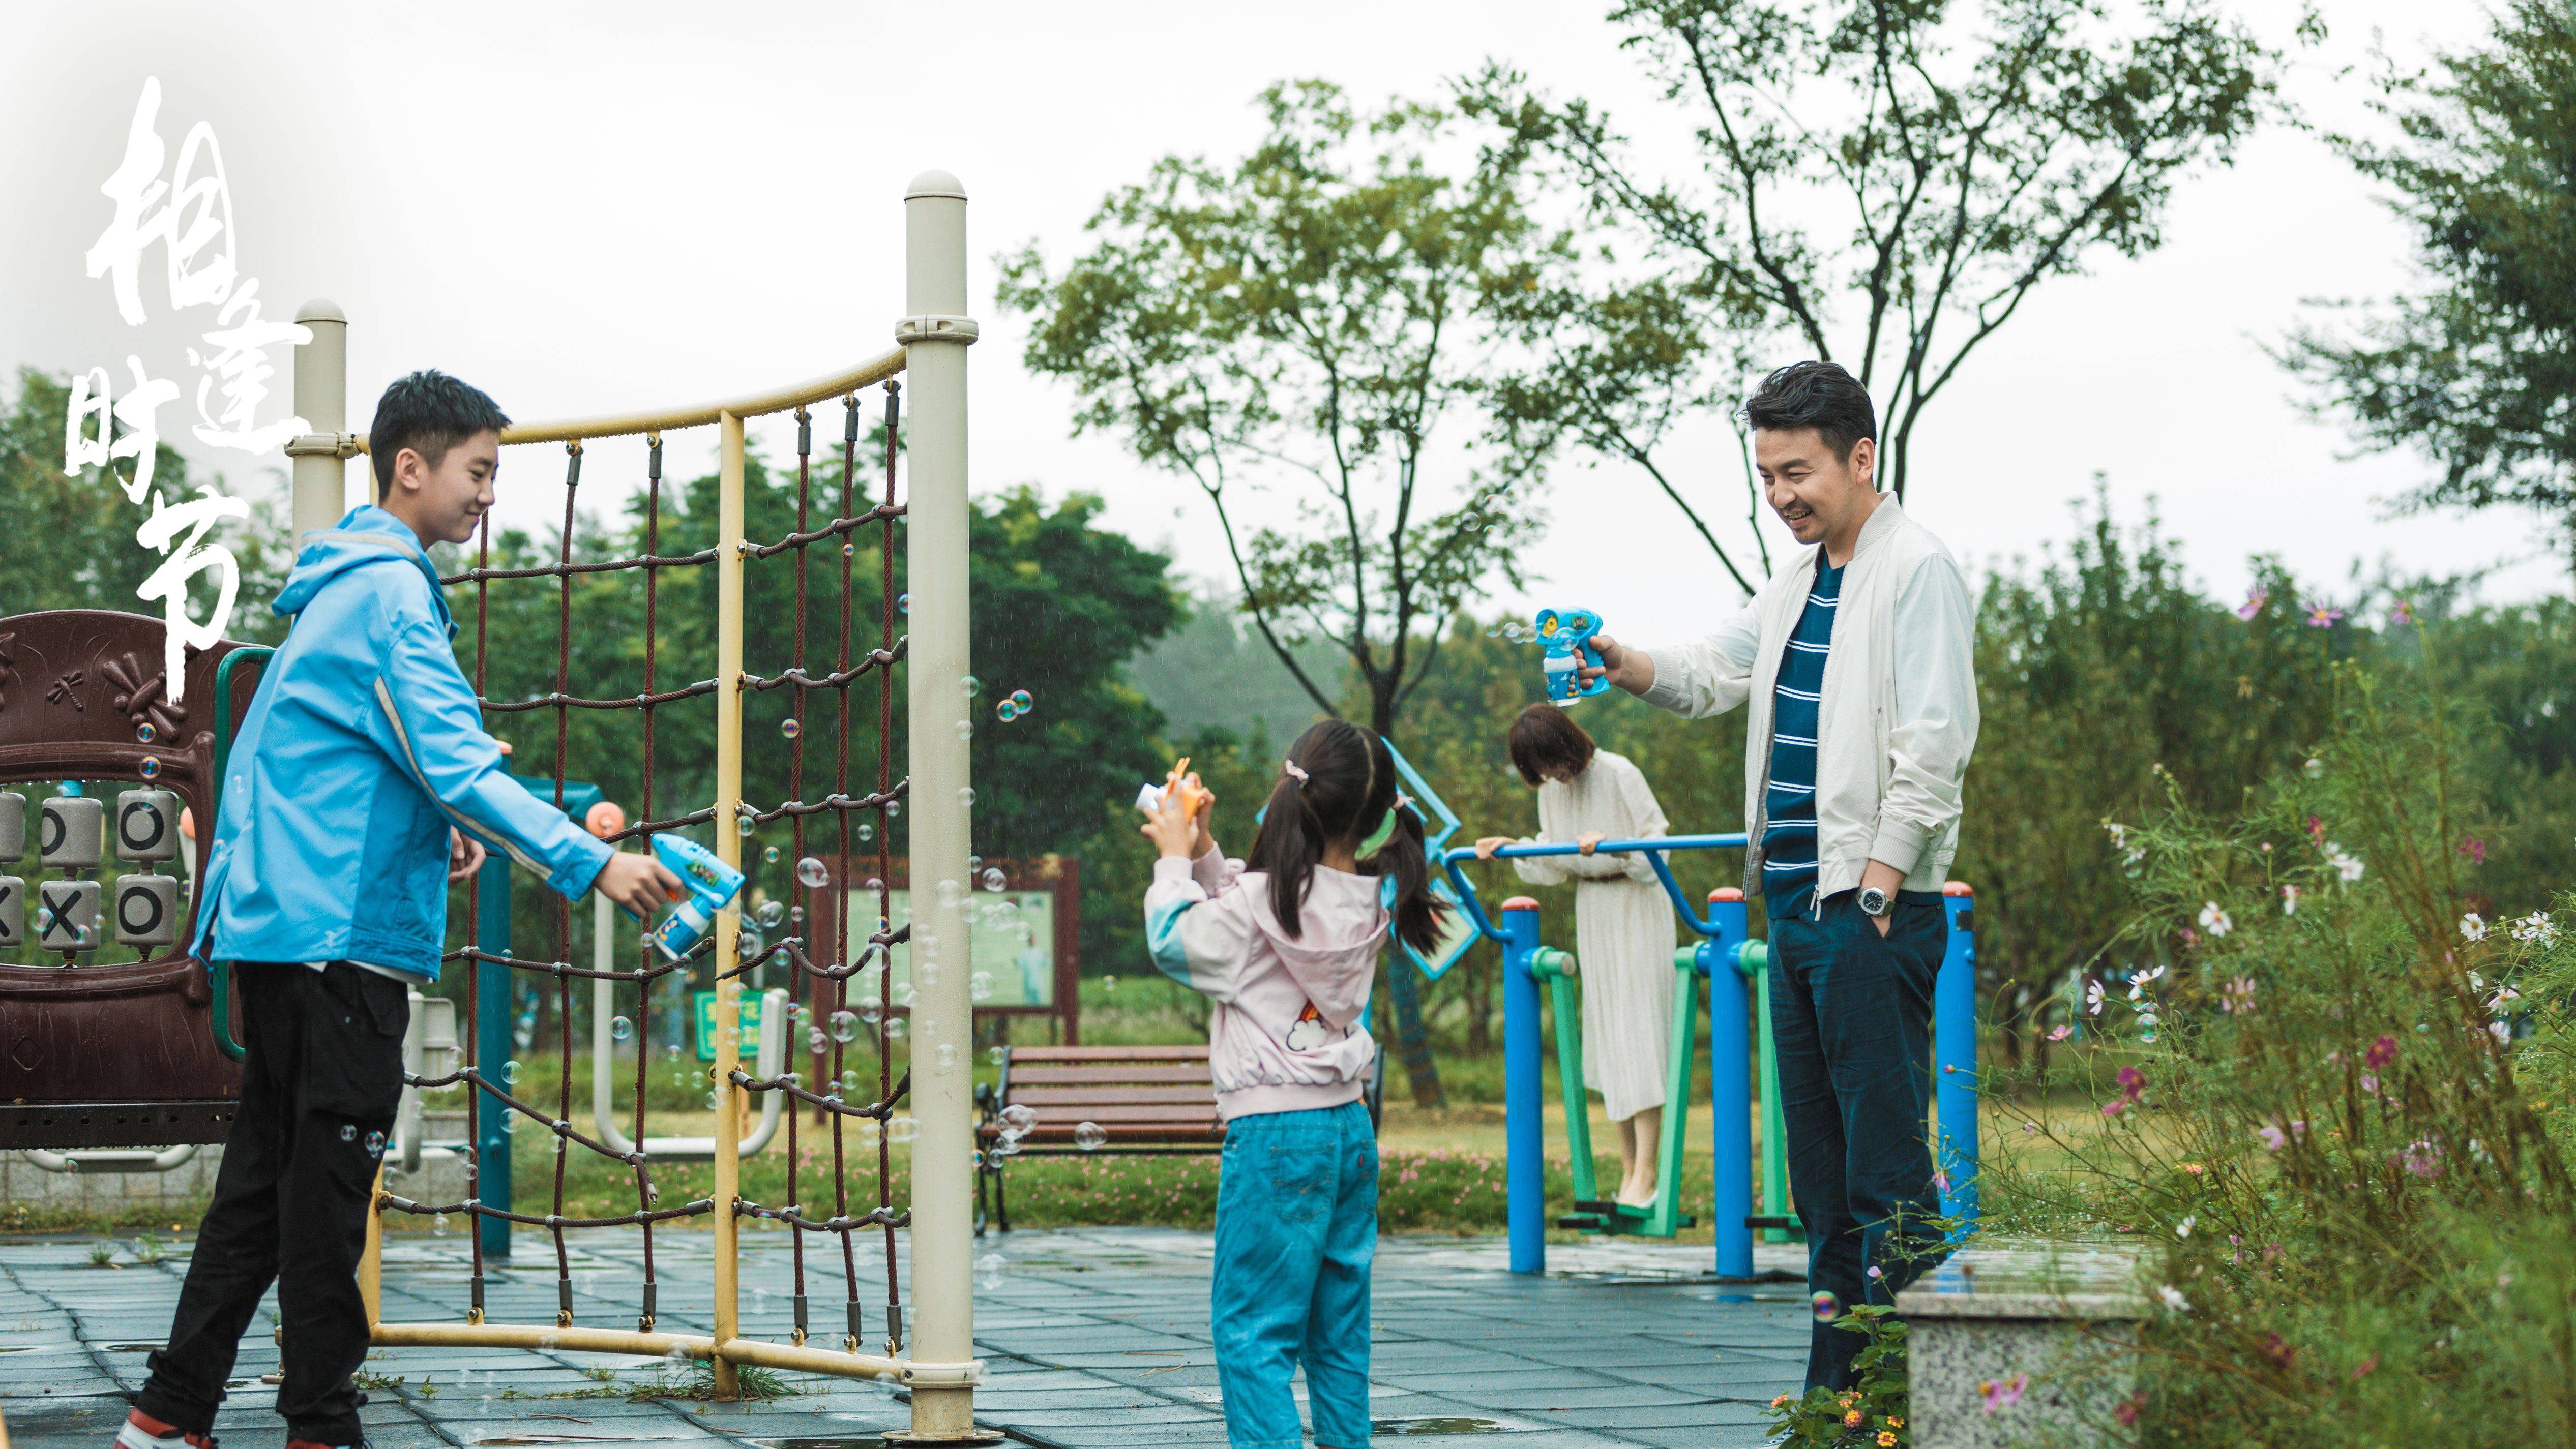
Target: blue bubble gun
<point>1567,636</point>
<point>711,886</point>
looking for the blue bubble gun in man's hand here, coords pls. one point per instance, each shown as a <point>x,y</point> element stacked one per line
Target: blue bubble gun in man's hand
<point>710,887</point>
<point>1567,637</point>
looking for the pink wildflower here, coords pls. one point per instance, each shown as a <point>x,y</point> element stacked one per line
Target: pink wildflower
<point>2129,1408</point>
<point>2401,614</point>
<point>2253,605</point>
<point>2005,1393</point>
<point>2382,1051</point>
<point>2060,1033</point>
<point>2321,615</point>
<point>2274,1139</point>
<point>2474,848</point>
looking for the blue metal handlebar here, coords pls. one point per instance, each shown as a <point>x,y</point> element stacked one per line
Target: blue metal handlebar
<point>1654,850</point>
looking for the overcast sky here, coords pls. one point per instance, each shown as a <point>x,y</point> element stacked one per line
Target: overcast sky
<point>584,208</point>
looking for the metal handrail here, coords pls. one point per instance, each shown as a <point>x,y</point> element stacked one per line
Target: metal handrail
<point>867,374</point>
<point>1654,849</point>
<point>219,973</point>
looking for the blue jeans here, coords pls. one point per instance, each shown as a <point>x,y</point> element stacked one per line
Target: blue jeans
<point>1296,1227</point>
<point>1851,1015</point>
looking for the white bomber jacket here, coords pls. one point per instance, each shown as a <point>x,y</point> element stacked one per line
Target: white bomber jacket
<point>1899,717</point>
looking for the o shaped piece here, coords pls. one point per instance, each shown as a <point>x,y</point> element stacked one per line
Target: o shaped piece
<point>69,831</point>
<point>147,825</point>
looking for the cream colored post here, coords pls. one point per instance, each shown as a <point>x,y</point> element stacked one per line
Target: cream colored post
<point>322,401</point>
<point>728,1309</point>
<point>943,1211</point>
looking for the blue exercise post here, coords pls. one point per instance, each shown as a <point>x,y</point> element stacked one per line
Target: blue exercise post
<point>1524,1137</point>
<point>1954,1047</point>
<point>1730,1089</point>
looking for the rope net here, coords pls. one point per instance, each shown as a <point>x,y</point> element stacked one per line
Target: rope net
<point>826,826</point>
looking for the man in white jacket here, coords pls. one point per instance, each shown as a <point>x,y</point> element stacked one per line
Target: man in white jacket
<point>1857,662</point>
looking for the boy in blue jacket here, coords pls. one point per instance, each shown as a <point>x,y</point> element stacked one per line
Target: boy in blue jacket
<point>362,784</point>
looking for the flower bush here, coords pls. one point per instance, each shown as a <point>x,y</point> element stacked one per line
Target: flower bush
<point>2336,1128</point>
<point>1872,1411</point>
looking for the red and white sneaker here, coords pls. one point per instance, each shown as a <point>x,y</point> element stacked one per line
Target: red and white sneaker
<point>142,1431</point>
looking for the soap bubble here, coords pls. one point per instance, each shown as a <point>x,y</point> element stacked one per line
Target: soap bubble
<point>672,1051</point>
<point>949,893</point>
<point>1021,701</point>
<point>714,1099</point>
<point>151,766</point>
<point>997,1055</point>
<point>770,855</point>
<point>509,1074</point>
<point>749,944</point>
<point>866,1128</point>
<point>895,1028</point>
<point>990,1271</point>
<point>790,727</point>
<point>875,884</point>
<point>845,1027</point>
<point>849,550</point>
<point>947,1055</point>
<point>770,913</point>
<point>745,825</point>
<point>903,603</point>
<point>1109,984</point>
<point>795,915</point>
<point>814,1041</point>
<point>1826,1307</point>
<point>438,1225</point>
<point>811,874</point>
<point>965,729</point>
<point>1005,711</point>
<point>1020,1115</point>
<point>621,1028</point>
<point>971,685</point>
<point>903,993</point>
<point>510,1122</point>
<point>144,732</point>
<point>902,1129</point>
<point>348,1133</point>
<point>2315,769</point>
<point>980,986</point>
<point>894,809</point>
<point>867,832</point>
<point>994,879</point>
<point>870,1008</point>
<point>1089,1136</point>
<point>966,796</point>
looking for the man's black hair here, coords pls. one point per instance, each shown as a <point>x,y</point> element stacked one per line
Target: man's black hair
<point>429,413</point>
<point>1818,395</point>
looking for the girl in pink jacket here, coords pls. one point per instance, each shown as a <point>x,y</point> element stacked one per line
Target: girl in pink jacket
<point>1286,944</point>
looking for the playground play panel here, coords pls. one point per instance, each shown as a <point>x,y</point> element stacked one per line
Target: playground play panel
<point>1089,1338</point>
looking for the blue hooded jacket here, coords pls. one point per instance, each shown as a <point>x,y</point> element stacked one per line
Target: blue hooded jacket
<point>362,746</point>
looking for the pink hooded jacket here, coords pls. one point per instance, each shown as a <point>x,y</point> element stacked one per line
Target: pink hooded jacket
<point>1286,1033</point>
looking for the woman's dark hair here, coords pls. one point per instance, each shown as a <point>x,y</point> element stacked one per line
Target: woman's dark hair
<point>1818,395</point>
<point>429,413</point>
<point>1546,740</point>
<point>1349,785</point>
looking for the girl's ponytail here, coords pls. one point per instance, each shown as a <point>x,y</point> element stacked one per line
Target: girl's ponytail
<point>1338,784</point>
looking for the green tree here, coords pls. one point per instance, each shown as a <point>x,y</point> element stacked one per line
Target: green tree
<point>1882,184</point>
<point>1310,314</point>
<point>67,539</point>
<point>2479,367</point>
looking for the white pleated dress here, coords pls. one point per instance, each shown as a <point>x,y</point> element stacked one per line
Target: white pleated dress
<point>1623,927</point>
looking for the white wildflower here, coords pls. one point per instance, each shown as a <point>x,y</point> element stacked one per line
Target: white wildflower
<point>2289,900</point>
<point>2173,1298</point>
<point>2473,927</point>
<point>2346,866</point>
<point>2183,1228</point>
<point>2215,921</point>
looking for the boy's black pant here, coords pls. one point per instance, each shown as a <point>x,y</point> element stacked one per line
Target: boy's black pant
<point>1851,1018</point>
<point>320,1083</point>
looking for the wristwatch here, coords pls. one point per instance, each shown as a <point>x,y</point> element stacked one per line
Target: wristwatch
<point>1873,901</point>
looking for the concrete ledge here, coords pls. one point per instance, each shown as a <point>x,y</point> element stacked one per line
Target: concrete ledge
<point>2052,1327</point>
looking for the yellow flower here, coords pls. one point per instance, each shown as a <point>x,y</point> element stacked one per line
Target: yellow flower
<point>1886,1440</point>
<point>1897,1423</point>
<point>1775,1403</point>
<point>1851,1420</point>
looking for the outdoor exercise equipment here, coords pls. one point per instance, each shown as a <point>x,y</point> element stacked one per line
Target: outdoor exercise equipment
<point>1566,637</point>
<point>1736,968</point>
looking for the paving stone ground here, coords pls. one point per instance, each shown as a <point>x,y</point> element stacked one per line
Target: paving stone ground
<point>1092,1338</point>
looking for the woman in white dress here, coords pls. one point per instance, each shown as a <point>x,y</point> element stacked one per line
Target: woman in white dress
<point>1623,925</point>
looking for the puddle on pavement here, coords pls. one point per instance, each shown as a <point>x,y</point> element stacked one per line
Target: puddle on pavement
<point>856,1441</point>
<point>1457,1424</point>
<point>131,1347</point>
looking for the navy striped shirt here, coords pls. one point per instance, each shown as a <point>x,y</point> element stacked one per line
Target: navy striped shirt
<point>1789,811</point>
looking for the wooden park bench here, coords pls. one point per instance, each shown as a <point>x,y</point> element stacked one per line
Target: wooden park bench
<point>1149,1101</point>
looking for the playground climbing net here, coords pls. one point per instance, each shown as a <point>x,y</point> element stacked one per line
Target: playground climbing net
<point>824,678</point>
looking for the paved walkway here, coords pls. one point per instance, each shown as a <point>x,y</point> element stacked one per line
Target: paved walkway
<point>1093,1337</point>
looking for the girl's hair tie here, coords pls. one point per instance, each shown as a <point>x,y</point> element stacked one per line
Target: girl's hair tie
<point>1295,771</point>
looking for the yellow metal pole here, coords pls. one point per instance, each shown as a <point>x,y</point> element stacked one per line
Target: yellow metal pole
<point>728,1310</point>
<point>371,1264</point>
<point>322,400</point>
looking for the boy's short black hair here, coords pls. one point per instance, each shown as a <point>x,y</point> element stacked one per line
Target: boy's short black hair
<point>1818,395</point>
<point>429,413</point>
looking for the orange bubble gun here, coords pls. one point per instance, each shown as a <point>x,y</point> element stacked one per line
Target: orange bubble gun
<point>1150,798</point>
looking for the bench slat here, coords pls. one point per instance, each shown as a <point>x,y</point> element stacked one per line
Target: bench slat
<point>1063,1097</point>
<point>1108,1054</point>
<point>1136,1111</point>
<point>1105,1075</point>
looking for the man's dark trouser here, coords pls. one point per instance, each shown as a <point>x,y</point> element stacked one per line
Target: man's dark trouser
<point>319,1087</point>
<point>1851,1017</point>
